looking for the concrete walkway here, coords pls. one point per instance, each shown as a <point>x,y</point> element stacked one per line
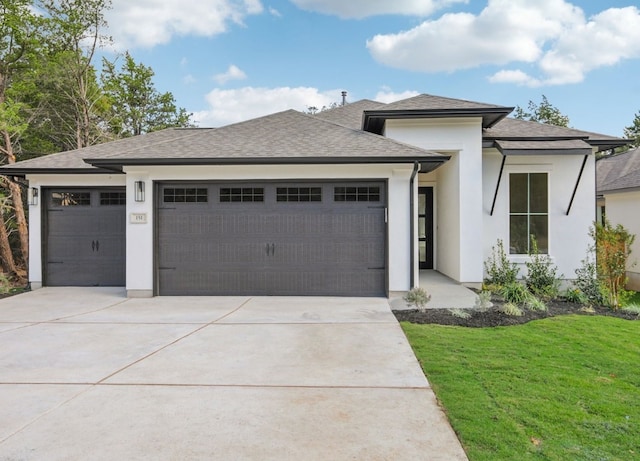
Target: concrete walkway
<point>89,374</point>
<point>445,293</point>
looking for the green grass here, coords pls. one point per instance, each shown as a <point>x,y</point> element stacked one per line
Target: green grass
<point>563,388</point>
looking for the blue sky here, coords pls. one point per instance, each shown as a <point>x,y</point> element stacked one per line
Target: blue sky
<point>232,60</point>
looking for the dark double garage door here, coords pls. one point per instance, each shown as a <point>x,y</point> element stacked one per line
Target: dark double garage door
<point>271,239</point>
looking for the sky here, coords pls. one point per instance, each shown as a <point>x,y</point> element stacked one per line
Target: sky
<point>232,60</point>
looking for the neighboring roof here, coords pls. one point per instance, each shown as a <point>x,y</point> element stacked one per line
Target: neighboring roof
<point>523,130</point>
<point>350,115</point>
<point>619,172</point>
<point>429,106</point>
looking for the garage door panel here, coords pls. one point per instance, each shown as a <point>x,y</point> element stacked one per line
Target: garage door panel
<point>85,237</point>
<point>315,247</point>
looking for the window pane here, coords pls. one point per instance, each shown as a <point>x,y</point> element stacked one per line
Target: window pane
<point>538,197</point>
<point>540,230</point>
<point>518,191</point>
<point>422,248</point>
<point>421,227</point>
<point>518,235</point>
<point>422,204</point>
<point>71,198</point>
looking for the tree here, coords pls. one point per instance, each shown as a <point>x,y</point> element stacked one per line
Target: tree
<point>135,106</point>
<point>633,131</point>
<point>73,35</point>
<point>18,46</point>
<point>544,112</point>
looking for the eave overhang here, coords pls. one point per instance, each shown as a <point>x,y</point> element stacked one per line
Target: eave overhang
<point>373,120</point>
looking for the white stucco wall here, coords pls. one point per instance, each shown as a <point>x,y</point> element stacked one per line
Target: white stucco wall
<point>459,184</point>
<point>568,234</point>
<point>35,211</point>
<point>624,208</point>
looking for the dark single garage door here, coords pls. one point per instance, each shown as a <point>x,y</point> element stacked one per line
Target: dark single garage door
<point>271,239</point>
<point>85,237</point>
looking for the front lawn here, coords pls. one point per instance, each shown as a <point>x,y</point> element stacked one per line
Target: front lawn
<point>560,388</point>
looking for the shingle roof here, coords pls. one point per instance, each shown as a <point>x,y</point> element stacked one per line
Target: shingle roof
<point>284,137</point>
<point>617,172</point>
<point>544,147</point>
<point>350,115</point>
<point>428,101</point>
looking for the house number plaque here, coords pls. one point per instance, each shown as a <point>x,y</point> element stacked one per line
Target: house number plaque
<point>138,218</point>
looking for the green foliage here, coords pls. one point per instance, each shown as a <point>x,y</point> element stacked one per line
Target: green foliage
<point>5,284</point>
<point>544,112</point>
<point>535,304</point>
<point>574,295</point>
<point>542,279</point>
<point>417,297</point>
<point>586,282</point>
<point>633,131</point>
<point>136,107</point>
<point>500,271</point>
<point>483,301</point>
<point>515,292</point>
<point>613,247</point>
<point>460,313</point>
<point>632,308</point>
<point>511,309</point>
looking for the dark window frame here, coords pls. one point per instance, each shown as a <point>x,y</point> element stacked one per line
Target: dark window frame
<point>299,194</point>
<point>241,195</point>
<point>69,198</point>
<point>113,198</point>
<point>185,195</point>
<point>346,194</point>
<point>516,242</point>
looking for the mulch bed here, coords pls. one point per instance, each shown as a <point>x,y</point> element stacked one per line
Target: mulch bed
<point>493,317</point>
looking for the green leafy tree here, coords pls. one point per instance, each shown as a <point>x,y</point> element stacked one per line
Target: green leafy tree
<point>545,112</point>
<point>633,131</point>
<point>135,106</point>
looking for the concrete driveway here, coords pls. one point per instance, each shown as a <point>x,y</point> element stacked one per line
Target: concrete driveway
<point>86,373</point>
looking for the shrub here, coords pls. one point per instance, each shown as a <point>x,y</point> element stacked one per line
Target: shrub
<point>511,309</point>
<point>417,297</point>
<point>587,282</point>
<point>460,313</point>
<point>5,284</point>
<point>483,301</point>
<point>515,292</point>
<point>499,270</point>
<point>542,279</point>
<point>575,295</point>
<point>632,309</point>
<point>534,304</point>
<point>613,246</point>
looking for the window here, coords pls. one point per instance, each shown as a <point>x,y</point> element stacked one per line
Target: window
<point>356,194</point>
<point>299,194</point>
<point>528,212</point>
<point>185,195</point>
<point>71,198</point>
<point>242,194</point>
<point>113,198</point>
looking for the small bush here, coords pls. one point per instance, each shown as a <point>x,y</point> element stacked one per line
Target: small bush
<point>613,246</point>
<point>632,309</point>
<point>574,295</point>
<point>515,292</point>
<point>534,304</point>
<point>417,297</point>
<point>586,281</point>
<point>5,284</point>
<point>460,313</point>
<point>542,279</point>
<point>587,310</point>
<point>511,309</point>
<point>499,270</point>
<point>483,301</point>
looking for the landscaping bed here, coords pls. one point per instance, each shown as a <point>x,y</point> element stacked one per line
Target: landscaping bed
<point>493,316</point>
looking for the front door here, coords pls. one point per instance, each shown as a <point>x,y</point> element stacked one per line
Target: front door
<point>425,227</point>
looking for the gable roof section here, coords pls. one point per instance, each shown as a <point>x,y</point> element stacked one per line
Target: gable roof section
<point>429,106</point>
<point>521,137</point>
<point>619,172</point>
<point>282,138</point>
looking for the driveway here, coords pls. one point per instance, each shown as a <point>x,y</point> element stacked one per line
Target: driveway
<point>86,373</point>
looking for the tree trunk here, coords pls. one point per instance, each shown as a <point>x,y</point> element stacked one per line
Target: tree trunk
<point>6,257</point>
<point>21,221</point>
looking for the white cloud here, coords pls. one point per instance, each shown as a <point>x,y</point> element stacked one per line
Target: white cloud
<point>232,73</point>
<point>189,79</point>
<point>231,106</point>
<point>146,23</point>
<point>553,35</point>
<point>274,12</point>
<point>364,8</point>
<point>387,96</point>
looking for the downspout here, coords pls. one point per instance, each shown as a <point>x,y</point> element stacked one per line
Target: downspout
<point>416,168</point>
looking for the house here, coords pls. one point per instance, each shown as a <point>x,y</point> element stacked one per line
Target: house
<point>352,201</point>
<point>618,188</point>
